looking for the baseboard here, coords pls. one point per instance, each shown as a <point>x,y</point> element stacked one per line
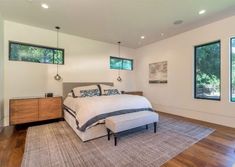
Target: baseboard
<point>197,115</point>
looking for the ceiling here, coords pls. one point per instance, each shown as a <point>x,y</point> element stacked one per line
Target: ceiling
<point>118,20</point>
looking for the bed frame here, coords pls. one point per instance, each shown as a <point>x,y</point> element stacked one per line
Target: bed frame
<point>93,132</point>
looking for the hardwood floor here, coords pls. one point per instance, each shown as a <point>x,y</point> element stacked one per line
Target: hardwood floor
<point>217,150</point>
<point>12,143</point>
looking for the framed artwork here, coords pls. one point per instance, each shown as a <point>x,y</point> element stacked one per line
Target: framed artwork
<point>158,72</point>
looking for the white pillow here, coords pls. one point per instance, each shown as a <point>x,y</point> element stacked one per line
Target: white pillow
<point>85,91</point>
<point>106,88</point>
<point>103,87</point>
<point>70,94</point>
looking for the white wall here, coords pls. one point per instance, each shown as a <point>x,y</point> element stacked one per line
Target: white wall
<point>85,61</point>
<point>1,72</point>
<point>176,96</point>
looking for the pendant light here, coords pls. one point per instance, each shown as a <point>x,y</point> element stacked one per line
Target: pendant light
<point>119,79</point>
<point>57,77</point>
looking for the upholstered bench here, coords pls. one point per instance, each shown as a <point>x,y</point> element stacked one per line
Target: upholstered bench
<point>124,122</point>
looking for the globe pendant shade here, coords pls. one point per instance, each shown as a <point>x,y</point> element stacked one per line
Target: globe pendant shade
<point>57,77</point>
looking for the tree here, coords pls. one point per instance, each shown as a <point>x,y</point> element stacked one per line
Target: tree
<point>208,68</point>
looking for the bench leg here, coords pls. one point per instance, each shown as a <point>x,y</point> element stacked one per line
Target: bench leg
<point>147,127</point>
<point>115,139</point>
<point>108,134</point>
<point>155,127</point>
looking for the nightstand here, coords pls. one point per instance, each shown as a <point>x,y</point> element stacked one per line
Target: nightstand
<point>25,110</point>
<point>139,93</point>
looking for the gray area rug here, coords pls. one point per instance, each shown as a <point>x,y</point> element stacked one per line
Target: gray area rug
<point>56,145</point>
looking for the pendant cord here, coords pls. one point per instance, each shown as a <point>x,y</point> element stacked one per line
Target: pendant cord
<point>57,69</point>
<point>119,55</point>
<point>57,77</point>
<point>57,38</point>
<point>57,28</point>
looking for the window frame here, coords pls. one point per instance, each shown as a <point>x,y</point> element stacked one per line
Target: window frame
<point>38,46</point>
<point>195,88</point>
<point>120,58</point>
<point>231,69</point>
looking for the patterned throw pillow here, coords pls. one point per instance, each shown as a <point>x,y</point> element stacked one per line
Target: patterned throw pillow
<point>77,90</point>
<point>89,93</point>
<point>109,92</point>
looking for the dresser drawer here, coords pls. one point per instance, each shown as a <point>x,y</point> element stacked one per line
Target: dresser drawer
<point>23,111</point>
<point>50,108</point>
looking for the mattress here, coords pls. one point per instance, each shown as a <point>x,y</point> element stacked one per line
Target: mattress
<point>93,132</point>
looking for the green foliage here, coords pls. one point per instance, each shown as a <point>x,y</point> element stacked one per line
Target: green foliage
<point>233,69</point>
<point>127,64</point>
<point>115,63</point>
<point>120,63</point>
<point>208,70</point>
<point>58,57</point>
<point>24,52</point>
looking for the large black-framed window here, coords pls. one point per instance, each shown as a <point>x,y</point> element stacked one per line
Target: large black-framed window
<point>121,63</point>
<point>232,69</point>
<point>19,51</point>
<point>207,80</point>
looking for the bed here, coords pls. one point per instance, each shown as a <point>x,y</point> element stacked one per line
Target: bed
<point>86,115</point>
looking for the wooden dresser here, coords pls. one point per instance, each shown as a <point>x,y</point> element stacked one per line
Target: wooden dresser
<point>140,93</point>
<point>27,110</point>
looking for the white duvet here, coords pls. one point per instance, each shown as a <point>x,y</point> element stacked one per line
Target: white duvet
<point>90,109</point>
